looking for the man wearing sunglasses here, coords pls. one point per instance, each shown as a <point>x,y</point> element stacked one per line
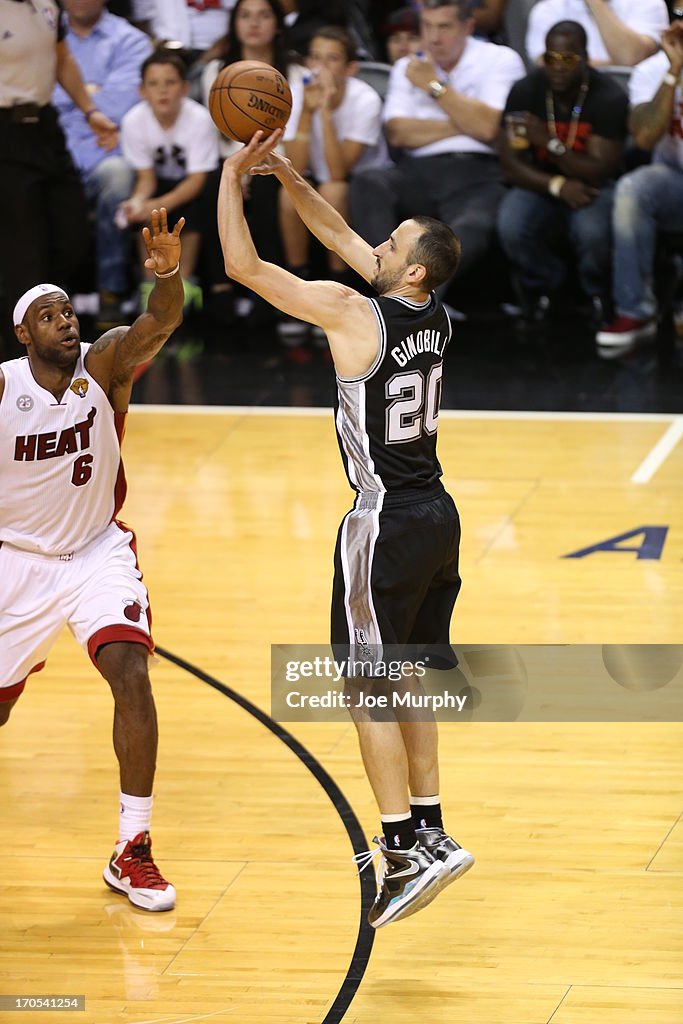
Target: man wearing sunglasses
<point>564,127</point>
<point>619,31</point>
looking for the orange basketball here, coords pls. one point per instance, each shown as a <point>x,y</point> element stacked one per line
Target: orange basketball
<point>249,96</point>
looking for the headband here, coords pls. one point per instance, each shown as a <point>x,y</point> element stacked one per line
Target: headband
<point>30,296</point>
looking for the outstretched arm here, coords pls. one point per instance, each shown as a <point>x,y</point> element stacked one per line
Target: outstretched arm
<point>321,219</point>
<point>319,302</point>
<point>113,358</point>
<point>345,316</point>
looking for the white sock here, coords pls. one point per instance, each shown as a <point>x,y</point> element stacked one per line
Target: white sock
<point>135,815</point>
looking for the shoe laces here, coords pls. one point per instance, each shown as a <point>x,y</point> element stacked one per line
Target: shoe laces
<point>147,874</point>
<point>366,858</point>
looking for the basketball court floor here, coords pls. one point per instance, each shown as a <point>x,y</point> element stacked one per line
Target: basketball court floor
<point>573,912</point>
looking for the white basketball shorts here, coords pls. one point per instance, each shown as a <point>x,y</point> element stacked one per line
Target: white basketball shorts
<point>97,592</point>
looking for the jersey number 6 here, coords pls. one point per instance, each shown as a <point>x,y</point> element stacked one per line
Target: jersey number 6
<point>82,470</point>
<point>415,409</point>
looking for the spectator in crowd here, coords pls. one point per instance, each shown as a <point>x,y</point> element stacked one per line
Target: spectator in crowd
<point>565,127</point>
<point>172,144</point>
<point>335,129</point>
<point>257,32</point>
<point>42,207</point>
<point>649,199</point>
<point>304,17</point>
<point>109,53</point>
<point>401,33</point>
<point>487,14</point>
<point>619,31</point>
<point>196,24</point>
<point>443,110</point>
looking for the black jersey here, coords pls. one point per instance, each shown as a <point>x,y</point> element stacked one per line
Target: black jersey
<point>387,418</point>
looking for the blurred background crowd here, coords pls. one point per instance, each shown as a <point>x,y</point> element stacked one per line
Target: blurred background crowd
<point>548,134</point>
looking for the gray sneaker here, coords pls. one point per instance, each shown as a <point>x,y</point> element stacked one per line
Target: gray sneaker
<point>407,881</point>
<point>439,844</point>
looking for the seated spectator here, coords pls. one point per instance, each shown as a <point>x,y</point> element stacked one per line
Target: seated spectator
<point>401,33</point>
<point>443,110</point>
<point>487,14</point>
<point>196,24</point>
<point>335,129</point>
<point>566,125</point>
<point>257,32</point>
<point>649,199</point>
<point>109,53</point>
<point>619,31</point>
<point>172,144</point>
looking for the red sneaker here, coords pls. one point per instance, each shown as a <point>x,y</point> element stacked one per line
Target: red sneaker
<point>132,871</point>
<point>625,330</point>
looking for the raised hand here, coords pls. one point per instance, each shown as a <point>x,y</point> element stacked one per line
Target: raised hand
<point>163,246</point>
<point>420,71</point>
<point>256,152</point>
<point>672,44</point>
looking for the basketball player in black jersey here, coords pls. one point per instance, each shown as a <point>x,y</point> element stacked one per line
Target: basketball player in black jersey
<point>396,560</point>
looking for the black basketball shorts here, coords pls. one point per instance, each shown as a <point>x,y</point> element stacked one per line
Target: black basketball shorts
<point>396,571</point>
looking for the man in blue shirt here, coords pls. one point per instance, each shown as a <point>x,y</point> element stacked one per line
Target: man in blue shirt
<point>109,52</point>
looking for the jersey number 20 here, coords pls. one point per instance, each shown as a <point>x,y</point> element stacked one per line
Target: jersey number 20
<point>415,406</point>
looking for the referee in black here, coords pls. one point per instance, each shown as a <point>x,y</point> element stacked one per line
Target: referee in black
<point>396,562</point>
<point>42,208</point>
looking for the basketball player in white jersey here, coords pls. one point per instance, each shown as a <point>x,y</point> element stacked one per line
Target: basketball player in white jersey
<point>396,562</point>
<point>65,559</point>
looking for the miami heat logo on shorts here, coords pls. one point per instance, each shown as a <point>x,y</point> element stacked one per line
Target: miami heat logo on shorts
<point>80,387</point>
<point>133,611</point>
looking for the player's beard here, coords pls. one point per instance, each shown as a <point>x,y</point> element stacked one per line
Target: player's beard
<point>63,358</point>
<point>386,280</point>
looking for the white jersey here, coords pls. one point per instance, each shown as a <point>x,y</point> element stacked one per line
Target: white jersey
<point>61,475</point>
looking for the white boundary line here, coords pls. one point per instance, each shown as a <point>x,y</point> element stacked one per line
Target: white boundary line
<point>661,451</point>
<point>448,414</point>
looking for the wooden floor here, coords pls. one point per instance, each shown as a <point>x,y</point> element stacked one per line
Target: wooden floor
<point>574,911</point>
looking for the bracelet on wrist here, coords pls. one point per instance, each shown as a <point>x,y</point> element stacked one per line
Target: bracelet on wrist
<point>168,273</point>
<point>671,79</point>
<point>555,185</point>
<point>89,113</point>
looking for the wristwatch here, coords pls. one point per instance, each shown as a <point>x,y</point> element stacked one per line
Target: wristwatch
<point>556,147</point>
<point>436,89</point>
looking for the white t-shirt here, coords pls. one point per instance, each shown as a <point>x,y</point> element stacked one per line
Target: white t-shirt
<point>188,146</point>
<point>485,72</point>
<point>358,118</point>
<point>644,83</point>
<point>647,17</point>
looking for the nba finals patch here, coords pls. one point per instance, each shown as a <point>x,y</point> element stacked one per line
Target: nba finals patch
<point>80,387</point>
